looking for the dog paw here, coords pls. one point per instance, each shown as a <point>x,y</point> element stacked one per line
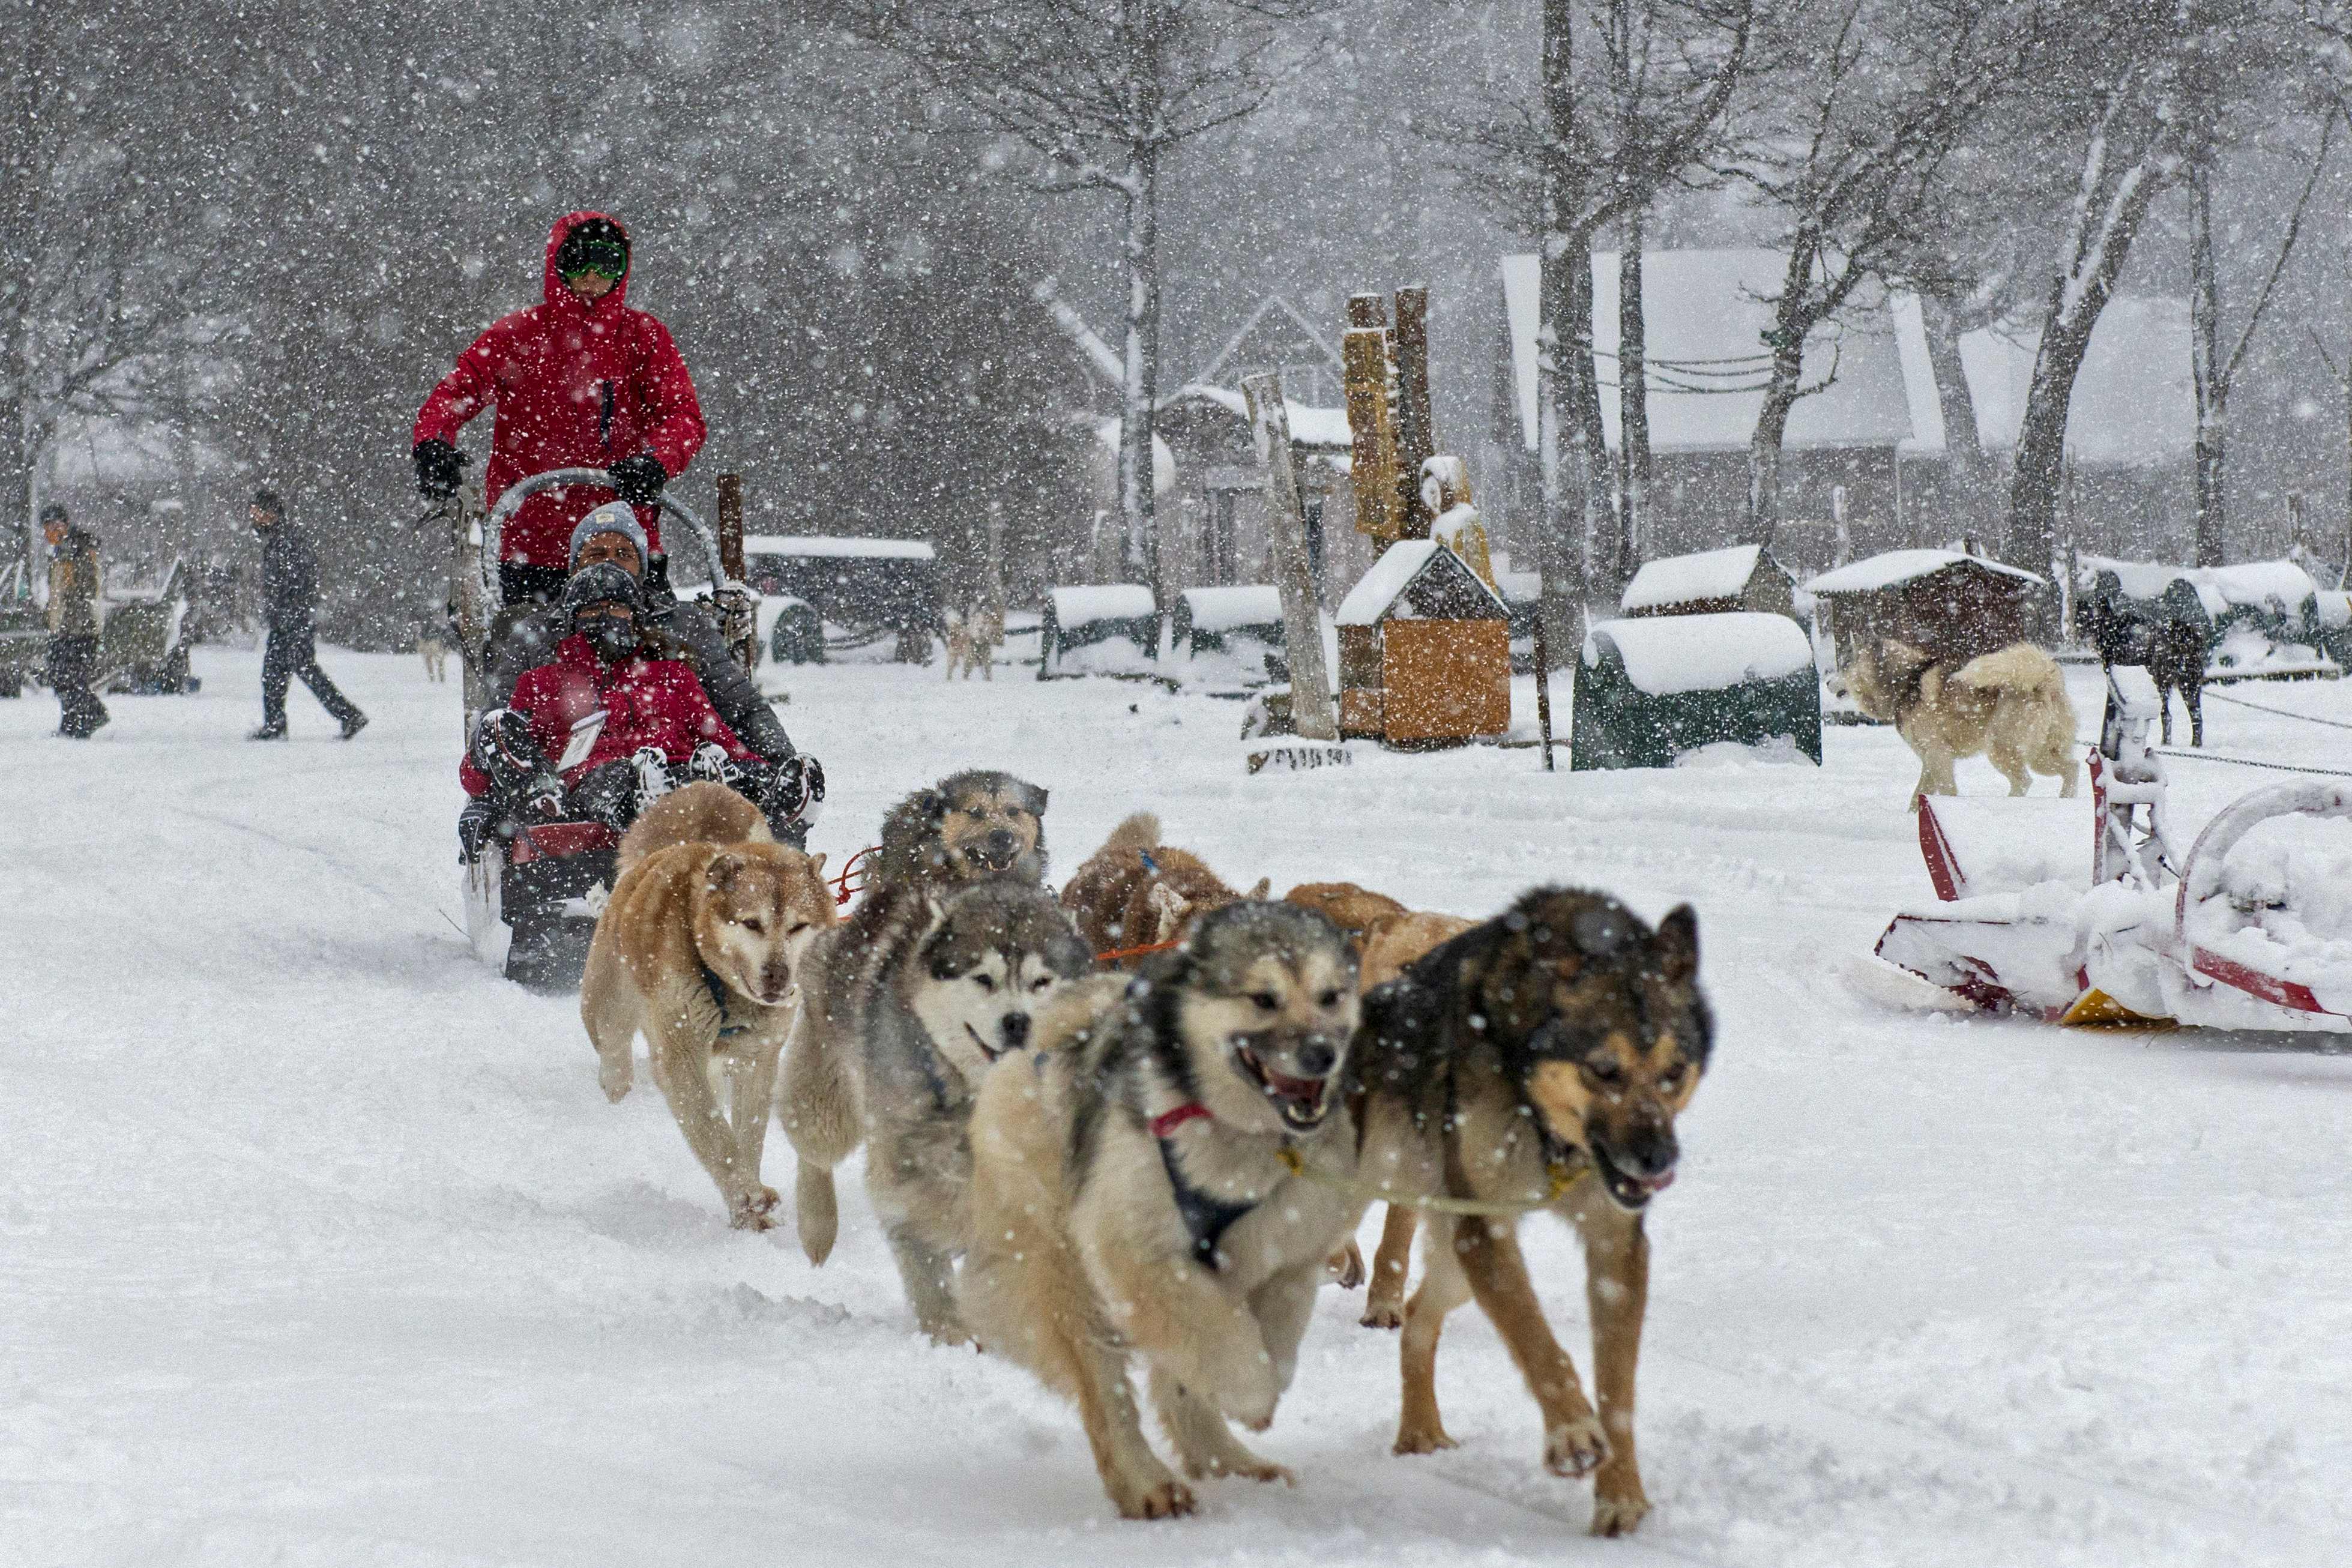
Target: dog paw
<point>1577,1448</point>
<point>615,1083</point>
<point>755,1210</point>
<point>1167,1497</point>
<point>1429,1439</point>
<point>1346,1266</point>
<point>1618,1512</point>
<point>1382,1311</point>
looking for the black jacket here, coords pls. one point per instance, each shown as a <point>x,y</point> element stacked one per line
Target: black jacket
<point>290,577</point>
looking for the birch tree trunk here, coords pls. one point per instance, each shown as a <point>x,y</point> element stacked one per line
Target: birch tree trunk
<point>1785,384</point>
<point>2210,374</point>
<point>1565,277</point>
<point>1138,386</point>
<point>1964,451</point>
<point>1591,436</point>
<point>1632,406</point>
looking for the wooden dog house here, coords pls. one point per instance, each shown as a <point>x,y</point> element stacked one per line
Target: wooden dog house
<point>1424,650</point>
<point>1954,606</point>
<point>1712,582</point>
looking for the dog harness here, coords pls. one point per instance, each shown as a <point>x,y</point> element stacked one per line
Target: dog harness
<point>717,989</point>
<point>1206,1216</point>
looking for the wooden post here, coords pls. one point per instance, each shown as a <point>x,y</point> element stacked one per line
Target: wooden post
<point>1368,312</point>
<point>1543,670</point>
<point>1416,438</point>
<point>1372,474</point>
<point>1311,712</point>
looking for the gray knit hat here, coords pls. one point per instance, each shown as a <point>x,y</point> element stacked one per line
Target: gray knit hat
<point>613,517</point>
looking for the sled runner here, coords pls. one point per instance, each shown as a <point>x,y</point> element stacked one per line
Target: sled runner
<point>2234,934</point>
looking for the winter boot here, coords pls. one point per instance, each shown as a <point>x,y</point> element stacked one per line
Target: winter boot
<point>354,725</point>
<point>268,732</point>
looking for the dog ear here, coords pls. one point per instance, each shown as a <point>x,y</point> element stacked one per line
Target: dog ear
<point>931,804</point>
<point>725,867</point>
<point>1265,886</point>
<point>1171,907</point>
<point>1035,800</point>
<point>817,865</point>
<point>1675,946</point>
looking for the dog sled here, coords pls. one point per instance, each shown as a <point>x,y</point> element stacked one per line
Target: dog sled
<point>2246,929</point>
<point>532,900</point>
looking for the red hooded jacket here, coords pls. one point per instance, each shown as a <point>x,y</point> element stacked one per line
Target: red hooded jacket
<point>578,384</point>
<point>656,702</point>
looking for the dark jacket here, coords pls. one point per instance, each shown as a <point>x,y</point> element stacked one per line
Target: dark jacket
<point>290,577</point>
<point>685,631</point>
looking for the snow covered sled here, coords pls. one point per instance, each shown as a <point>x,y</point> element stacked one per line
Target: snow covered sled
<point>2251,930</point>
<point>532,900</point>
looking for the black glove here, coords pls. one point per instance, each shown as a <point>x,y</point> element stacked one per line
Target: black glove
<point>477,825</point>
<point>440,470</point>
<point>794,794</point>
<point>608,793</point>
<point>638,480</point>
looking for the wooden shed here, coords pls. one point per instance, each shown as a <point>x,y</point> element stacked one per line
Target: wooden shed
<point>1712,582</point>
<point>1953,605</point>
<point>1424,650</point>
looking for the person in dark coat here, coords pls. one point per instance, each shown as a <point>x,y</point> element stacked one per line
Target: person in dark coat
<point>75,614</point>
<point>289,590</point>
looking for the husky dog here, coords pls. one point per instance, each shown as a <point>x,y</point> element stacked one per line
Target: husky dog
<point>1137,893</point>
<point>698,950</point>
<point>1165,1174</point>
<point>1538,1060</point>
<point>2009,704</point>
<point>912,1031</point>
<point>973,637</point>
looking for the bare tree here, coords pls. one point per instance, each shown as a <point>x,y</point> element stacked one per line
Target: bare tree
<point>1855,149</point>
<point>1102,92</point>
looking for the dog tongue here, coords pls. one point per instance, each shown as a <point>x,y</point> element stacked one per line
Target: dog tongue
<point>1292,1088</point>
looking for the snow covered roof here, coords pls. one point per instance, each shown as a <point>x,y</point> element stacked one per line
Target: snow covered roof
<point>1704,314</point>
<point>820,544</point>
<point>1400,568</point>
<point>1289,321</point>
<point>2278,587</point>
<point>1680,579</point>
<point>1223,609</point>
<point>1667,654</point>
<point>1083,604</point>
<point>1875,572</point>
<point>1312,428</point>
<point>2133,406</point>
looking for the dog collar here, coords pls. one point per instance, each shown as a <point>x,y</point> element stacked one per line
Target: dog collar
<point>1167,1121</point>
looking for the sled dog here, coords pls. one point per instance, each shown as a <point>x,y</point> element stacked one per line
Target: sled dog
<point>910,1030</point>
<point>973,637</point>
<point>1144,1182</point>
<point>699,812</point>
<point>436,657</point>
<point>1136,892</point>
<point>1538,1060</point>
<point>2010,705</point>
<point>699,950</point>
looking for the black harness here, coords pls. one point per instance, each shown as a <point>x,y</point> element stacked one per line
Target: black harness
<point>1206,1216</point>
<point>717,989</point>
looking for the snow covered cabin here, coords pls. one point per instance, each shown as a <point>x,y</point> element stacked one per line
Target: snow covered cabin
<point>1713,582</point>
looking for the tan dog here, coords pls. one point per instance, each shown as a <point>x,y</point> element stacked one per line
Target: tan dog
<point>2009,705</point>
<point>1388,936</point>
<point>973,637</point>
<point>1164,1176</point>
<point>436,659</point>
<point>699,950</point>
<point>1537,1061</point>
<point>1136,893</point>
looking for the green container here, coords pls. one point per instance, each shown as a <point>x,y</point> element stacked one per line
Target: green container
<point>1649,689</point>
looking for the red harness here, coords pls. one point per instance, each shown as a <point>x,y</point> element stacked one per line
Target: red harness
<point>1167,1121</point>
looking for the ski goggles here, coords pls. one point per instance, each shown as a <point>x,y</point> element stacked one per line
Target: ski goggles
<point>607,257</point>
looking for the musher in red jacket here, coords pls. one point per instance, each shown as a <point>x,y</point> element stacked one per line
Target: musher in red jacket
<point>579,381</point>
<point>609,724</point>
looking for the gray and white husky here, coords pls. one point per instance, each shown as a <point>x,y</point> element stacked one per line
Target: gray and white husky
<point>901,1035</point>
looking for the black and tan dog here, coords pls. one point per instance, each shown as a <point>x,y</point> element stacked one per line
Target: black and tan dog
<point>1164,1175</point>
<point>1538,1060</point>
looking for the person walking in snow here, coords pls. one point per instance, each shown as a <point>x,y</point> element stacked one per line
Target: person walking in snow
<point>76,614</point>
<point>579,381</point>
<point>290,591</point>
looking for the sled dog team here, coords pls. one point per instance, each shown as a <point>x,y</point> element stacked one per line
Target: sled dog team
<point>1081,1167</point>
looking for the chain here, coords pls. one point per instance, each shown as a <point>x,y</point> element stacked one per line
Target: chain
<point>2281,713</point>
<point>2249,762</point>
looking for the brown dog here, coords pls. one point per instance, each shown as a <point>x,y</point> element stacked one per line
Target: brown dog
<point>699,950</point>
<point>1388,936</point>
<point>1537,1061</point>
<point>1136,894</point>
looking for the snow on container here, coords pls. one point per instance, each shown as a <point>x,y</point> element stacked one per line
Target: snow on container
<point>1650,690</point>
<point>1098,614</point>
<point>1206,617</point>
<point>1713,582</point>
<point>1424,650</point>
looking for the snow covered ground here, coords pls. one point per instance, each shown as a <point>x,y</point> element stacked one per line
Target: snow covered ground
<point>319,1246</point>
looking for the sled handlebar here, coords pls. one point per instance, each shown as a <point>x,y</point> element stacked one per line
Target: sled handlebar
<point>522,490</point>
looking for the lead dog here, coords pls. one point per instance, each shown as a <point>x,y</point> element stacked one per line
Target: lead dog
<point>697,950</point>
<point>1537,1061</point>
<point>2009,704</point>
<point>1142,1184</point>
<point>910,1030</point>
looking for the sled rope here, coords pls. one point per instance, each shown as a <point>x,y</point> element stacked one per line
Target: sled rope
<point>841,891</point>
<point>2250,762</point>
<point>1115,955</point>
<point>2281,713</point>
<point>1563,1176</point>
